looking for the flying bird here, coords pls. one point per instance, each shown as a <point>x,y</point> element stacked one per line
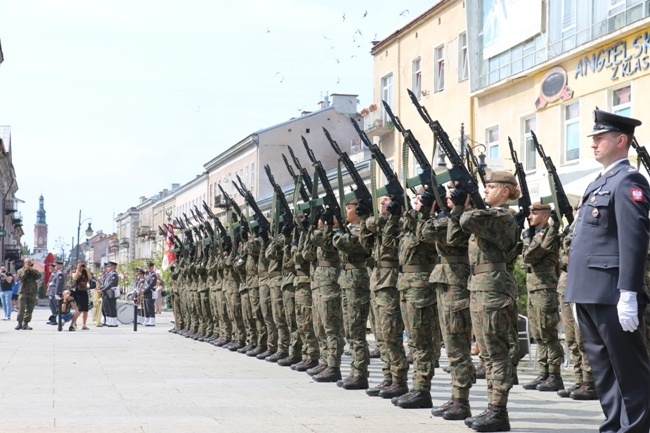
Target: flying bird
<point>404,12</point>
<point>365,14</point>
<point>329,39</point>
<point>343,16</point>
<point>338,80</point>
<point>268,30</point>
<point>337,60</point>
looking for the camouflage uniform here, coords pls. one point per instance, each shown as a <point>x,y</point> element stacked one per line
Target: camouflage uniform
<point>231,287</point>
<point>304,302</point>
<point>176,296</point>
<point>265,298</point>
<point>27,294</point>
<point>326,275</point>
<point>383,282</point>
<point>417,294</point>
<point>274,253</point>
<point>246,308</point>
<point>211,269</point>
<point>310,255</point>
<point>225,330</point>
<point>355,282</point>
<point>203,297</point>
<point>450,278</point>
<point>541,255</point>
<point>289,297</point>
<point>252,249</point>
<point>493,289</point>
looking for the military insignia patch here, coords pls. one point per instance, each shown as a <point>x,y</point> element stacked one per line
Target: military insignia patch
<point>636,194</point>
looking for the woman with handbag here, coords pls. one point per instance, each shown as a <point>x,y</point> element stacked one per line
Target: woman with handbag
<point>80,280</point>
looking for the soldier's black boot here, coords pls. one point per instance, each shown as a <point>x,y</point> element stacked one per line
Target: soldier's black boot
<point>330,374</point>
<point>480,372</point>
<point>470,420</point>
<point>305,365</point>
<point>533,384</point>
<point>318,369</point>
<point>246,348</point>
<point>496,420</point>
<point>438,411</point>
<point>268,352</point>
<point>236,345</point>
<point>396,389</point>
<point>566,392</point>
<point>552,383</point>
<point>277,356</point>
<point>374,392</point>
<point>356,382</point>
<point>256,351</point>
<point>459,410</point>
<point>289,361</point>
<point>587,391</point>
<point>415,400</point>
<point>374,353</point>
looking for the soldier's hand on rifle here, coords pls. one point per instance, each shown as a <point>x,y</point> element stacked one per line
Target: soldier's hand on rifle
<point>394,207</point>
<point>327,217</point>
<point>531,232</point>
<point>287,228</point>
<point>362,210</point>
<point>554,217</point>
<point>458,196</point>
<point>244,235</point>
<point>304,222</point>
<point>427,198</point>
<point>520,218</point>
<point>264,234</point>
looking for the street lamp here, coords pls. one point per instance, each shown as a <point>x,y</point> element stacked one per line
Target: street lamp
<point>89,232</point>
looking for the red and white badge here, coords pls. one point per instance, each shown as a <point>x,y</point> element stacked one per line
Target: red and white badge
<point>636,194</point>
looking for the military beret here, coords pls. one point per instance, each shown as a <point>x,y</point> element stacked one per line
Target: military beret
<point>606,122</point>
<point>59,262</point>
<point>111,264</point>
<point>501,177</point>
<point>539,206</point>
<point>139,270</point>
<point>352,201</point>
<point>150,264</point>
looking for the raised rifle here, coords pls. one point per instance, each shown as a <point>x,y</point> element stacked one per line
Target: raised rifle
<point>306,177</point>
<point>303,192</point>
<point>560,199</point>
<point>287,217</point>
<point>361,192</point>
<point>524,200</point>
<point>427,177</point>
<point>458,172</point>
<point>330,201</point>
<point>642,154</point>
<point>393,188</point>
<point>258,215</point>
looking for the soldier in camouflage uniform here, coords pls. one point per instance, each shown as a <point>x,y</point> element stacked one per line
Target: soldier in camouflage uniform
<point>326,275</point>
<point>417,299</point>
<point>383,283</point>
<point>540,253</point>
<point>246,307</point>
<point>211,269</point>
<point>225,329</point>
<point>492,245</point>
<point>203,290</point>
<point>304,305</point>
<point>252,248</point>
<point>289,297</point>
<point>231,287</point>
<point>265,297</point>
<point>355,282</point>
<point>450,277</point>
<point>274,253</point>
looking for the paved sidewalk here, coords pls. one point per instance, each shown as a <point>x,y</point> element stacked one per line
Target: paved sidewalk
<point>152,381</point>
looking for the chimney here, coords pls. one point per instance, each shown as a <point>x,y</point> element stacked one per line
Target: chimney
<point>321,105</point>
<point>344,104</point>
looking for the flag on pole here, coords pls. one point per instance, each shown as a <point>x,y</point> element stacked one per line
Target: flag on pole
<point>169,255</point>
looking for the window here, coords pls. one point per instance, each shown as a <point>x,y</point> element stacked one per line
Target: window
<point>439,77</point>
<point>622,101</point>
<point>416,86</point>
<point>463,57</point>
<point>531,153</point>
<point>572,132</point>
<point>387,94</point>
<point>246,179</point>
<point>251,187</point>
<point>568,15</point>
<point>492,142</point>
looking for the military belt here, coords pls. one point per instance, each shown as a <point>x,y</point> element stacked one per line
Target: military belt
<point>541,269</point>
<point>327,264</point>
<point>418,268</point>
<point>454,259</point>
<point>386,264</point>
<point>357,265</point>
<point>487,267</point>
<point>263,274</point>
<point>274,274</point>
<point>302,273</point>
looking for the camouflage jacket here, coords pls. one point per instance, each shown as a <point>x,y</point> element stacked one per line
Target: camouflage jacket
<point>263,263</point>
<point>451,245</point>
<point>274,255</point>
<point>288,265</point>
<point>493,238</point>
<point>541,255</point>
<point>354,258</point>
<point>328,263</point>
<point>302,266</point>
<point>373,231</point>
<point>29,279</point>
<point>230,275</point>
<point>252,247</point>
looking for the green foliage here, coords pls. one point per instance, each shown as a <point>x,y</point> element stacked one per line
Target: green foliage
<point>520,279</point>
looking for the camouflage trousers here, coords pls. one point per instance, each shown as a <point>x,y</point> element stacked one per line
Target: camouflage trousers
<point>205,315</point>
<point>256,309</point>
<point>234,301</point>
<point>543,316</point>
<point>247,317</point>
<point>289,301</point>
<point>193,311</point>
<point>418,306</point>
<point>319,329</point>
<point>280,319</point>
<point>389,334</point>
<point>26,304</point>
<point>456,325</point>
<point>344,307</point>
<point>358,300</point>
<point>305,321</point>
<point>267,314</point>
<point>492,314</point>
<point>581,367</point>
<point>331,317</point>
<point>225,330</point>
<point>214,308</point>
<point>176,309</point>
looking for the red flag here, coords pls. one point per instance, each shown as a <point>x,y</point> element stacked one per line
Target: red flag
<point>169,255</point>
<point>48,270</point>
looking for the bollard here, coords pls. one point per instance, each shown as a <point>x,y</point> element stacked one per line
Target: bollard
<point>135,317</point>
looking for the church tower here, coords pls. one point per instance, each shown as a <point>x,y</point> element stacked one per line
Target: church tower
<point>40,229</point>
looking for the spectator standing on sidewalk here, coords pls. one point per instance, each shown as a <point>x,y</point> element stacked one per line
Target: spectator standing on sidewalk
<point>81,278</point>
<point>6,286</point>
<point>27,293</point>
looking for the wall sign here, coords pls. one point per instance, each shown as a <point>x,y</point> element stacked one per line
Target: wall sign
<point>621,59</point>
<point>554,87</point>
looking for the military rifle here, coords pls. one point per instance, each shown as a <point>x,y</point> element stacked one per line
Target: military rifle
<point>330,201</point>
<point>306,178</point>
<point>458,172</point>
<point>560,199</point>
<point>303,192</point>
<point>258,215</point>
<point>427,177</point>
<point>524,200</point>
<point>642,154</point>
<point>393,188</point>
<point>361,192</point>
<point>287,217</point>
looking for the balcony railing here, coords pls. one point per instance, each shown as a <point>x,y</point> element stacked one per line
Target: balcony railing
<point>374,124</point>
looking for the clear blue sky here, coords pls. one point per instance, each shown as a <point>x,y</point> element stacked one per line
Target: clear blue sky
<point>110,100</point>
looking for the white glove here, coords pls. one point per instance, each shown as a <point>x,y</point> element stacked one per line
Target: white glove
<point>574,310</point>
<point>628,311</point>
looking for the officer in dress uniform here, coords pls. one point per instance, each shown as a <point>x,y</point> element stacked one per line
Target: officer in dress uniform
<point>109,297</point>
<point>150,282</point>
<point>606,277</point>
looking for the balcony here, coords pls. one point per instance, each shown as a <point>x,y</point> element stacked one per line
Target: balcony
<point>144,231</point>
<point>12,252</point>
<point>10,206</point>
<point>375,126</point>
<point>124,242</point>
